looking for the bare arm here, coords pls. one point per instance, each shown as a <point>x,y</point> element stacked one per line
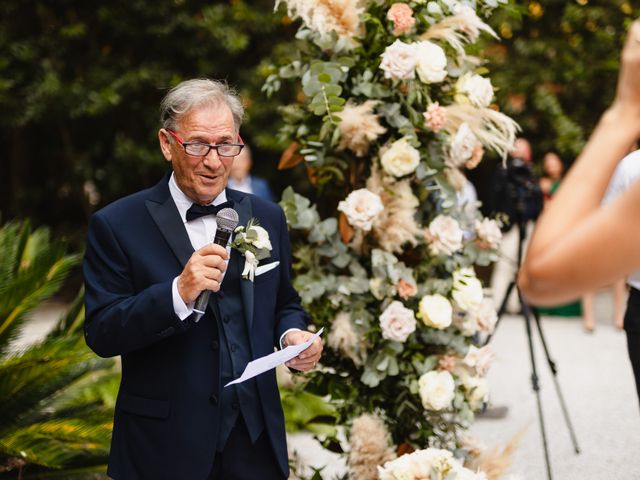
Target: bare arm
<point>577,245</point>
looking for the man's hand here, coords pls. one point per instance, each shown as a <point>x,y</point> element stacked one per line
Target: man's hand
<point>203,271</point>
<point>307,360</point>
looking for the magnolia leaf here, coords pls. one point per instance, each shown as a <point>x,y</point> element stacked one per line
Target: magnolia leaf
<point>346,231</point>
<point>290,157</point>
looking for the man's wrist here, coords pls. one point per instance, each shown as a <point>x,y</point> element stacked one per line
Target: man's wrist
<point>283,344</point>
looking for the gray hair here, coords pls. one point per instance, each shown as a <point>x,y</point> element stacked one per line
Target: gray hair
<point>197,92</point>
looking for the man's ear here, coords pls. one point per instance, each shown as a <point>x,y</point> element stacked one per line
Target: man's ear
<point>165,144</point>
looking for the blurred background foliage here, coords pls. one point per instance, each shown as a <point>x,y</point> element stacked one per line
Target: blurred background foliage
<point>80,84</point>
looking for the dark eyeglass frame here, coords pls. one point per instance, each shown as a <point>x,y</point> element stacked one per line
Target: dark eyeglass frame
<point>211,146</point>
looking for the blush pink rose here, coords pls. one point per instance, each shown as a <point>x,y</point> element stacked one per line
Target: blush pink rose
<point>401,15</point>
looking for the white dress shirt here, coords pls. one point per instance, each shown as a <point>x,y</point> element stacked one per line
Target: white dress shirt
<point>201,231</point>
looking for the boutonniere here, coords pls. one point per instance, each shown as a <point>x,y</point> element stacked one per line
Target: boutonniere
<point>253,242</point>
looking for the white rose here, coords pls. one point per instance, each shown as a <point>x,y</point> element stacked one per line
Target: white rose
<point>479,359</point>
<point>485,316</point>
<point>437,390</point>
<point>399,61</point>
<point>436,311</point>
<point>463,145</point>
<point>467,289</point>
<point>445,235</point>
<point>397,322</point>
<point>431,62</point>
<point>400,159</point>
<point>361,208</point>
<point>263,238</point>
<point>477,390</point>
<point>477,89</point>
<point>400,468</point>
<point>488,232</point>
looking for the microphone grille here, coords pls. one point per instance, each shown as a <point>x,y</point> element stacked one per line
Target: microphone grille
<point>227,219</point>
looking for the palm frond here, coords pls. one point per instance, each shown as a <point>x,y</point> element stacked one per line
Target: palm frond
<point>29,288</point>
<point>58,442</point>
<point>27,384</point>
<point>73,319</point>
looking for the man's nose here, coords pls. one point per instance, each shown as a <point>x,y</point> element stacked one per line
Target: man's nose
<point>212,159</point>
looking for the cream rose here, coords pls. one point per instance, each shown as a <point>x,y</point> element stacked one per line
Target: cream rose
<point>444,235</point>
<point>477,89</point>
<point>436,311</point>
<point>397,322</point>
<point>361,208</point>
<point>476,390</point>
<point>467,289</point>
<point>431,62</point>
<point>488,233</point>
<point>399,61</point>
<point>462,146</point>
<point>485,316</point>
<point>400,159</point>
<point>479,359</point>
<point>437,390</point>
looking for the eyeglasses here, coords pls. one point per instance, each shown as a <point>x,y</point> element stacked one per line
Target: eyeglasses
<point>198,149</point>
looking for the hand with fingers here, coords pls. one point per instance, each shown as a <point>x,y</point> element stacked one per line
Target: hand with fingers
<point>203,271</point>
<point>307,359</point>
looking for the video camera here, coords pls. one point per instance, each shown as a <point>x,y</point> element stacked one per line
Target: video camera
<point>516,193</point>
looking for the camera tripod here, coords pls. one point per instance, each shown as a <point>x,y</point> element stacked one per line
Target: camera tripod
<point>528,313</point>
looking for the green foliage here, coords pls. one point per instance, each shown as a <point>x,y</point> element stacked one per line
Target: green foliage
<point>81,84</point>
<point>56,397</point>
<point>556,68</point>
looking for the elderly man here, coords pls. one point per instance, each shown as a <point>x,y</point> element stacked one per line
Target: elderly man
<point>148,258</point>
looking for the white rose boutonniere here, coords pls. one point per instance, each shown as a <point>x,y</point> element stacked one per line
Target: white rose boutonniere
<point>253,242</point>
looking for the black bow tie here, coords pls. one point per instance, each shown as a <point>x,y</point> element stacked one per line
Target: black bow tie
<point>197,211</point>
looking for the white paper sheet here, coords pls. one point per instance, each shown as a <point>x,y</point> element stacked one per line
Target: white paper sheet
<point>263,364</point>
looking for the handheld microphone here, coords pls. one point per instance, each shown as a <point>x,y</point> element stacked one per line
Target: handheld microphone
<point>227,220</point>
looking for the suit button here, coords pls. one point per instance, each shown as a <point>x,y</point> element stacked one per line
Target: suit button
<point>220,293</point>
<point>213,399</point>
<point>233,347</point>
<point>215,345</point>
<point>225,319</point>
<point>235,405</point>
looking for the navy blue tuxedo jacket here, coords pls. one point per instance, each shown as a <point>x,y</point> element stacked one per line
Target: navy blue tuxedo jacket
<point>166,417</point>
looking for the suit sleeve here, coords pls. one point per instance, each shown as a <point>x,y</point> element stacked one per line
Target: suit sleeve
<point>289,311</point>
<point>118,318</point>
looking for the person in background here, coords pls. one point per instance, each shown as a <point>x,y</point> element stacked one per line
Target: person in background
<point>242,180</point>
<point>553,170</point>
<point>578,244</point>
<point>149,257</point>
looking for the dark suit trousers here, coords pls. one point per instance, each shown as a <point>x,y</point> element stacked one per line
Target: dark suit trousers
<point>242,460</point>
<point>632,327</point>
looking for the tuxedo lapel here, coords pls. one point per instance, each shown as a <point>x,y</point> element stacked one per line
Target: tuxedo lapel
<point>165,214</point>
<point>243,208</point>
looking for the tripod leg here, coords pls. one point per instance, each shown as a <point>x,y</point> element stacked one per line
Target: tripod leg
<point>534,382</point>
<point>554,371</point>
<point>501,310</point>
